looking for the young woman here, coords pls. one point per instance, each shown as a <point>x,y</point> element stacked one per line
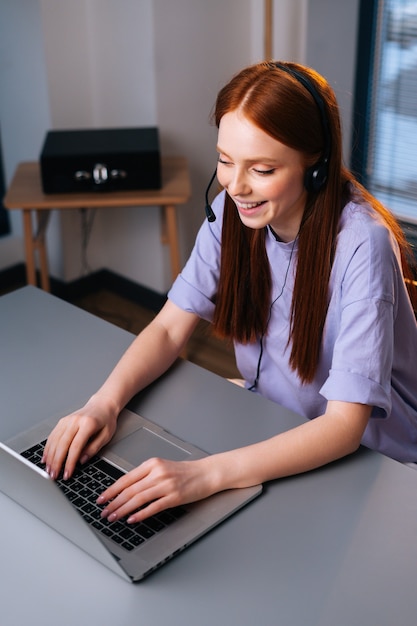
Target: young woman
<point>309,276</point>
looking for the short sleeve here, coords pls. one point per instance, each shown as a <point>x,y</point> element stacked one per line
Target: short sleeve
<point>362,358</point>
<point>195,288</point>
<point>364,298</point>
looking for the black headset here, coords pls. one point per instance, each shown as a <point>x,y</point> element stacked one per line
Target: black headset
<point>316,175</point>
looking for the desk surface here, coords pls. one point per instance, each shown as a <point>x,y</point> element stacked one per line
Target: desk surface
<point>25,190</point>
<point>335,547</point>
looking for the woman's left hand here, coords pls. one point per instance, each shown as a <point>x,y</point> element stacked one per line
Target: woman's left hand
<point>158,484</point>
<point>154,486</point>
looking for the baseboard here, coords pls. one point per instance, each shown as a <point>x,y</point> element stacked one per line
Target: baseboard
<point>14,277</point>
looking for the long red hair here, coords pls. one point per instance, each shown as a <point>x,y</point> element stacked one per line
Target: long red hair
<point>281,106</point>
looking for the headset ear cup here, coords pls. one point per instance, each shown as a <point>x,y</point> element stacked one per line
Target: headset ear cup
<point>315,177</point>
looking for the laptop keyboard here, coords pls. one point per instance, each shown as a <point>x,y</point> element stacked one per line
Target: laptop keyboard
<point>83,489</point>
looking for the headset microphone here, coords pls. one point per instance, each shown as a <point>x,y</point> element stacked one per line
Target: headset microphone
<point>209,211</point>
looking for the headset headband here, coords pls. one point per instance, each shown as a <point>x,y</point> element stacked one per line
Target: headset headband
<point>306,82</point>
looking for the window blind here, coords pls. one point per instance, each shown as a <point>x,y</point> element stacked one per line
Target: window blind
<point>391,159</point>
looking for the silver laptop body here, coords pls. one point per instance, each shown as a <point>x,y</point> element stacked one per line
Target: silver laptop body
<point>136,439</point>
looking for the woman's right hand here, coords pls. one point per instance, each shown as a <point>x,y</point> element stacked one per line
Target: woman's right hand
<point>79,436</point>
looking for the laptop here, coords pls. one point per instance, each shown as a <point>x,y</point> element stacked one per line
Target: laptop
<point>131,550</point>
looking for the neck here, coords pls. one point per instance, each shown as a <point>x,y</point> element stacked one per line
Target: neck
<point>276,237</point>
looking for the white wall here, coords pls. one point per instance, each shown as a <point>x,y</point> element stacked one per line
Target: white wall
<point>143,62</point>
<point>99,57</point>
<point>331,50</point>
<point>24,106</point>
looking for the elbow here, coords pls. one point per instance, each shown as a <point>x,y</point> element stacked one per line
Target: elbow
<point>353,442</point>
<point>350,422</point>
<point>354,446</point>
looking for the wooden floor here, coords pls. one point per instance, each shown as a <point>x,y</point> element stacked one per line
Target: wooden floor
<point>203,349</point>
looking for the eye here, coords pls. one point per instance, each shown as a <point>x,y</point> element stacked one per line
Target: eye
<point>223,161</point>
<point>264,172</point>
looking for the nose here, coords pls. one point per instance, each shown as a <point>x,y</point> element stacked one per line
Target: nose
<point>237,183</point>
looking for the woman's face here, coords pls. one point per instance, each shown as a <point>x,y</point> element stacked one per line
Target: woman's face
<point>264,177</point>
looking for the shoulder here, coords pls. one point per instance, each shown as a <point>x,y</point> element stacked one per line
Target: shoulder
<point>361,225</point>
<point>367,257</point>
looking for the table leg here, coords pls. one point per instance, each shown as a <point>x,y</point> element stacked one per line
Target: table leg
<point>36,242</point>
<point>42,220</point>
<point>29,247</point>
<point>171,237</point>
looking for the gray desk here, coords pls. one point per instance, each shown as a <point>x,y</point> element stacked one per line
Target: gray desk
<point>336,547</point>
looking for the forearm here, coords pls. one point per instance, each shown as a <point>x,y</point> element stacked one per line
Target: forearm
<point>306,447</point>
<point>80,435</point>
<point>149,356</point>
<point>158,484</point>
<point>145,360</point>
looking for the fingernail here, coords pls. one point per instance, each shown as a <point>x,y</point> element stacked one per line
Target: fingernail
<point>66,475</point>
<point>130,520</point>
<point>100,500</point>
<point>112,517</point>
<point>84,459</point>
<point>104,513</point>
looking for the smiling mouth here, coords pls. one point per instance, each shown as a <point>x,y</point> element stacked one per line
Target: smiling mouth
<point>248,205</point>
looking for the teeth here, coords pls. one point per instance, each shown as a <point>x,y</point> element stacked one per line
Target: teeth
<point>251,205</point>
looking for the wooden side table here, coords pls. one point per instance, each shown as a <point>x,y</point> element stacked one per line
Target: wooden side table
<point>25,193</point>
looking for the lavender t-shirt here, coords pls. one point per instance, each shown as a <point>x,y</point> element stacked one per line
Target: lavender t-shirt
<point>369,343</point>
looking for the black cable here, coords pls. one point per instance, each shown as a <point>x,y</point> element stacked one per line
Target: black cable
<point>261,341</point>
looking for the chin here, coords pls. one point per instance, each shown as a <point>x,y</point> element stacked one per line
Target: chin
<point>254,223</point>
<point>256,220</point>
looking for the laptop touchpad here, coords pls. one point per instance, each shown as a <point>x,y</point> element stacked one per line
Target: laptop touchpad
<point>144,444</point>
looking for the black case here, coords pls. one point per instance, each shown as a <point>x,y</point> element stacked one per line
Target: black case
<point>100,160</point>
